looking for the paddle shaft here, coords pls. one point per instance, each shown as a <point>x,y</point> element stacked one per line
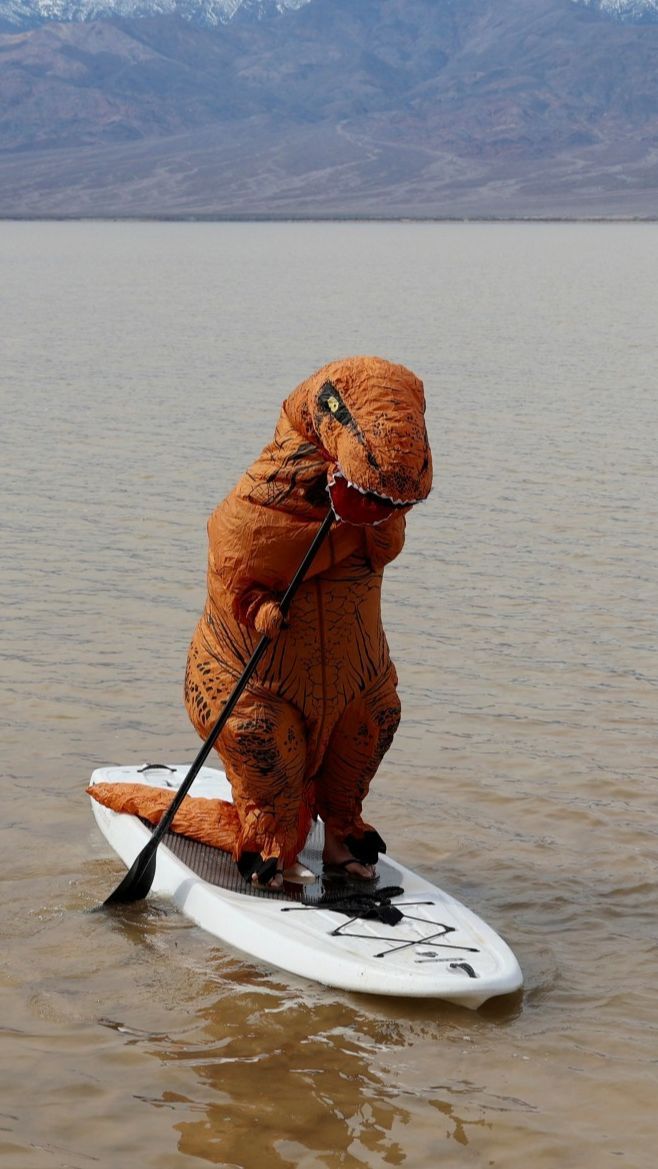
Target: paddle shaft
<point>138,880</point>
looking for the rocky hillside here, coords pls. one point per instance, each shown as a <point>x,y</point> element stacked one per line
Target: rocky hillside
<point>331,107</point>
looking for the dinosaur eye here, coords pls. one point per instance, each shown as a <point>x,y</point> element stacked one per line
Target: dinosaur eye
<point>329,399</point>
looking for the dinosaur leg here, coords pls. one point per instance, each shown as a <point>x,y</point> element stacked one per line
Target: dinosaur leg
<point>263,749</point>
<point>357,746</point>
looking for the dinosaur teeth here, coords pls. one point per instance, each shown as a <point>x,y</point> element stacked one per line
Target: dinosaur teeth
<point>338,474</point>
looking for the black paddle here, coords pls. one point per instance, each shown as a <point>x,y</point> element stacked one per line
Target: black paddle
<point>139,878</point>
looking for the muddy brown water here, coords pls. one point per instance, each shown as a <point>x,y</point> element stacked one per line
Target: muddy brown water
<point>142,368</point>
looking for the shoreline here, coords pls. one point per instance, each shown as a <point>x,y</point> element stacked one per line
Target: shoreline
<point>301,218</point>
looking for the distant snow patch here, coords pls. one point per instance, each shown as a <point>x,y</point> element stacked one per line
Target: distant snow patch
<point>639,10</point>
<point>208,12</point>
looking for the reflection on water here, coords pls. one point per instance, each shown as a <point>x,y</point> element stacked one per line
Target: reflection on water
<point>143,367</point>
<point>321,1082</point>
<point>278,1082</point>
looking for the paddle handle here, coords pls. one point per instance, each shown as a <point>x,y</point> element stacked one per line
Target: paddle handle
<point>241,684</point>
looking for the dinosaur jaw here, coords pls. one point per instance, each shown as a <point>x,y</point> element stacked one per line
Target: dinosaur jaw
<point>353,505</point>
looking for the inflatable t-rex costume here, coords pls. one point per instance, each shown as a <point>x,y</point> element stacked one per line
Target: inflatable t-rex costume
<point>314,723</point>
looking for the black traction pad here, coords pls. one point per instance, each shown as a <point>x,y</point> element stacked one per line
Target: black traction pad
<point>218,868</point>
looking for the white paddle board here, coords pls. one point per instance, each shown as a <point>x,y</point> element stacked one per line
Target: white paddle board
<point>438,949</point>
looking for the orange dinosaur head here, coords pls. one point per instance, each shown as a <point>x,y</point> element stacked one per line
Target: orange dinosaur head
<point>368,416</point>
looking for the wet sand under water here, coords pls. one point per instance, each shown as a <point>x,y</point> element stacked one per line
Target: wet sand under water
<point>143,367</point>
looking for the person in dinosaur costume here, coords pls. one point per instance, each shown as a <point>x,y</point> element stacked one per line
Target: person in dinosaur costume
<point>311,728</point>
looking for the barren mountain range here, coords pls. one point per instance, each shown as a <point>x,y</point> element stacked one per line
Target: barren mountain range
<point>446,108</point>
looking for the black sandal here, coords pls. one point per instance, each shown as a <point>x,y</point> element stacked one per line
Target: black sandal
<point>341,869</point>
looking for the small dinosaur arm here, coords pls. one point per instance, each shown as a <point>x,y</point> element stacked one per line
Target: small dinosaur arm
<point>309,732</point>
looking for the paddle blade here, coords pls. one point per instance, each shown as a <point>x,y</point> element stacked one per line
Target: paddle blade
<point>137,881</point>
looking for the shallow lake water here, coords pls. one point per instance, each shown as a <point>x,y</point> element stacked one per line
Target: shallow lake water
<point>143,366</point>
